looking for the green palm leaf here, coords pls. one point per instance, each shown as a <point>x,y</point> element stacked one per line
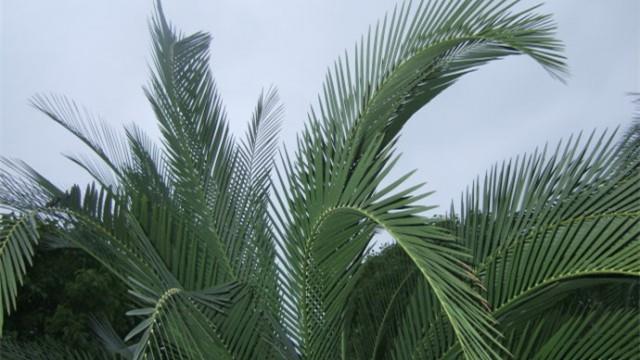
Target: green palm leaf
<point>396,69</point>
<point>543,222</point>
<point>18,238</point>
<point>543,227</point>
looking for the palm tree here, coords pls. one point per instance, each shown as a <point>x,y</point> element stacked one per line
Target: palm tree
<point>554,239</point>
<point>221,261</point>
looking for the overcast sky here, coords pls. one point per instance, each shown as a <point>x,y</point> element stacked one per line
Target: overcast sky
<point>97,52</point>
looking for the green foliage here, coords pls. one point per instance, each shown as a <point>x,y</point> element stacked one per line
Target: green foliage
<point>389,267</point>
<point>18,238</point>
<point>555,244</point>
<point>220,261</point>
<point>61,293</point>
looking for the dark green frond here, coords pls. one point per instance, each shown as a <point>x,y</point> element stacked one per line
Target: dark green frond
<point>595,334</point>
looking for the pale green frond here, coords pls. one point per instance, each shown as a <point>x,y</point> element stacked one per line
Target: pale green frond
<point>604,248</point>
<point>250,234</point>
<point>451,281</point>
<point>104,141</point>
<point>321,246</point>
<point>257,150</point>
<point>630,142</point>
<point>188,107</point>
<point>540,191</point>
<point>95,168</point>
<point>217,321</point>
<point>18,238</point>
<point>149,174</point>
<point>411,56</point>
<point>96,222</point>
<point>23,188</point>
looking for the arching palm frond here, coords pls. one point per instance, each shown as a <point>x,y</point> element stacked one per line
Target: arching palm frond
<point>542,223</point>
<point>344,152</point>
<point>543,227</point>
<point>555,243</point>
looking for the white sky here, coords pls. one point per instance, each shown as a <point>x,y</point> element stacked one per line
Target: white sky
<point>97,53</point>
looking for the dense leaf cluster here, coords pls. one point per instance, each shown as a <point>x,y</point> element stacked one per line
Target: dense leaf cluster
<point>62,293</point>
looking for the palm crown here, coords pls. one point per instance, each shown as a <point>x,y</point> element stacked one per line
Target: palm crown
<point>221,261</point>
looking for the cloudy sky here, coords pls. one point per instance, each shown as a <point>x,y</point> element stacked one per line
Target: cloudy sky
<point>97,52</point>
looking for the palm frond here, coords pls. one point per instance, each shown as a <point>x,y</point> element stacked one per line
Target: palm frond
<point>18,238</point>
<point>417,52</point>
<point>104,141</point>
<point>177,319</point>
<point>258,149</point>
<point>177,324</point>
<point>397,68</point>
<point>594,334</point>
<point>148,175</point>
<point>540,222</point>
<point>250,236</point>
<point>543,227</point>
<point>198,148</point>
<point>630,142</point>
<point>23,188</point>
<point>184,97</point>
<point>335,230</point>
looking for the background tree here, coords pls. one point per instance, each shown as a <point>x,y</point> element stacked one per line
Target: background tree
<point>62,293</point>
